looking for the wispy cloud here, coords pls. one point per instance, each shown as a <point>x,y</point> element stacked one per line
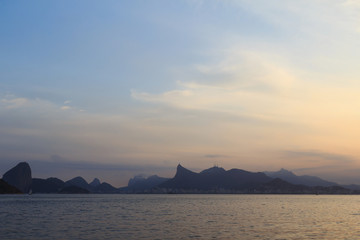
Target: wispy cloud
<point>65,108</point>
<point>11,102</point>
<point>215,156</point>
<point>243,83</point>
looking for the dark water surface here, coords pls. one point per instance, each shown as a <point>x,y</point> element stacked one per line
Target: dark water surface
<point>179,217</point>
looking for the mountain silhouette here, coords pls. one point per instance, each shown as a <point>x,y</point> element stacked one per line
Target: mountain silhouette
<point>141,184</point>
<point>215,179</point>
<point>6,188</point>
<point>218,180</point>
<point>98,188</point>
<point>95,182</point>
<point>105,188</point>
<point>19,177</point>
<point>212,180</point>
<point>78,182</point>
<point>290,177</point>
<point>50,185</point>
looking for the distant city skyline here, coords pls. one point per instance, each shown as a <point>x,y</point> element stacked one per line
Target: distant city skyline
<point>113,89</point>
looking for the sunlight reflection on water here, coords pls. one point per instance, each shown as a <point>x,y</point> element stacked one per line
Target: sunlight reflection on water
<point>179,217</point>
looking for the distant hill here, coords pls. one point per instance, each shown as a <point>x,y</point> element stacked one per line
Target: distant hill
<point>6,188</point>
<point>212,180</point>
<point>96,182</point>
<point>215,179</point>
<point>279,186</point>
<point>218,180</point>
<point>105,188</point>
<point>19,177</point>
<point>352,186</point>
<point>55,185</point>
<point>141,184</point>
<point>94,187</point>
<point>79,182</point>
<point>50,185</point>
<point>302,180</point>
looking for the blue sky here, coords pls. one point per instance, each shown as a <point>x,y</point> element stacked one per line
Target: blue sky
<point>143,85</point>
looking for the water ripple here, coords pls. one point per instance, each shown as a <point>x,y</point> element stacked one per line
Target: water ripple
<point>179,217</point>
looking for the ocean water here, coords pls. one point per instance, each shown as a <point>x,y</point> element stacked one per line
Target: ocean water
<point>179,217</point>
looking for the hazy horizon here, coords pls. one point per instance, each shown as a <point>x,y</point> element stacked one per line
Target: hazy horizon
<point>113,89</point>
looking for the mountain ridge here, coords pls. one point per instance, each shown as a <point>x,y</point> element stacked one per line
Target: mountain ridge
<point>307,180</point>
<point>211,180</point>
<point>218,180</point>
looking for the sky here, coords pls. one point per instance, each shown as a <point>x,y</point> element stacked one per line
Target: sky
<point>113,89</point>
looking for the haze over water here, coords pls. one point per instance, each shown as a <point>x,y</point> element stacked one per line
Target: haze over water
<point>179,217</point>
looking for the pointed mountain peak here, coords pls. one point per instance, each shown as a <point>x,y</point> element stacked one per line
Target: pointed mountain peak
<point>96,182</point>
<point>78,179</point>
<point>179,167</point>
<point>180,170</point>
